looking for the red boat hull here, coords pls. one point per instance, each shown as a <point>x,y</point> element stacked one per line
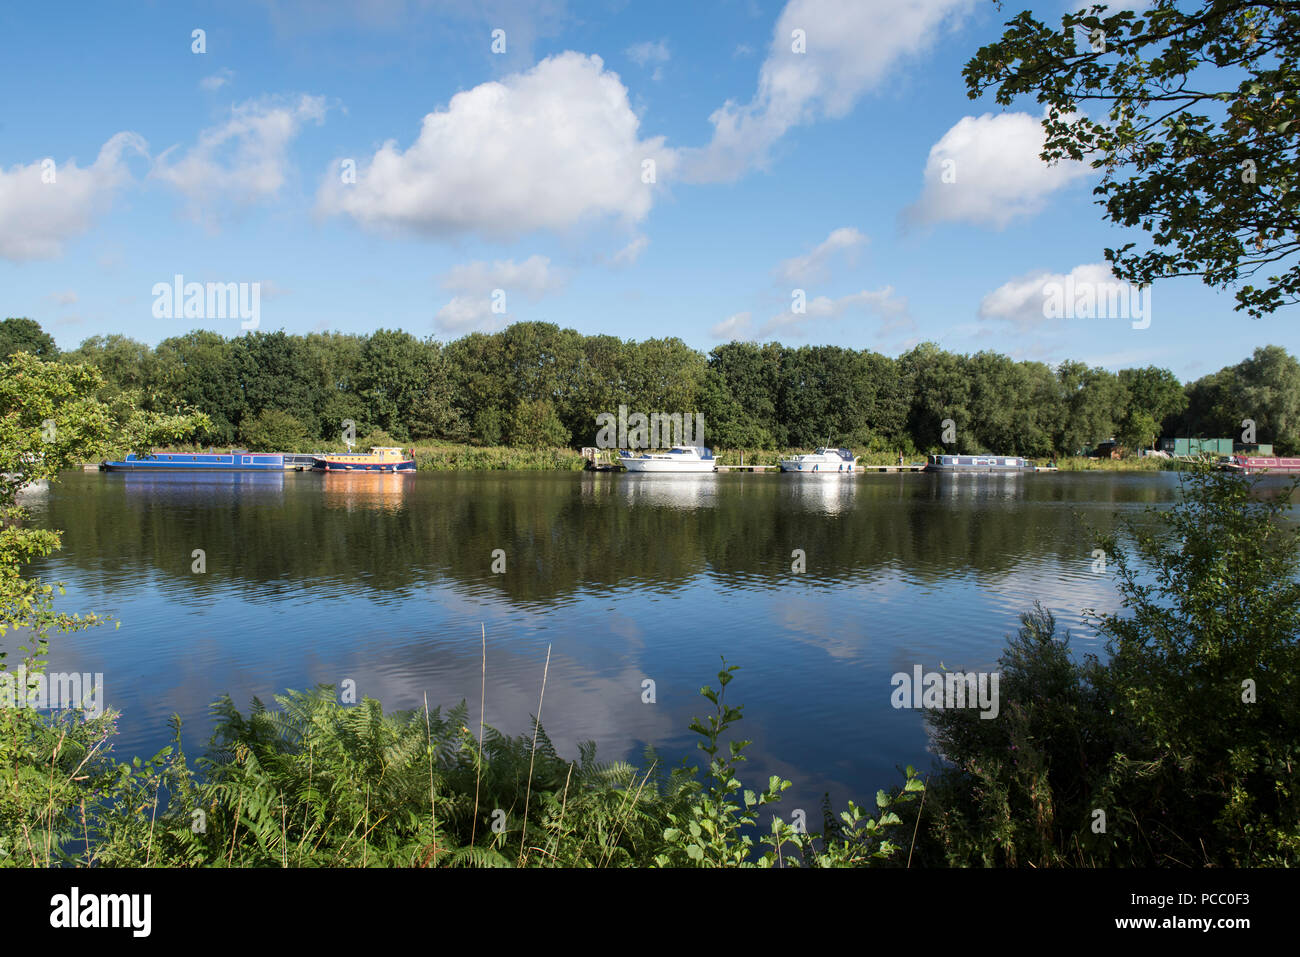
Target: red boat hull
<point>1258,463</point>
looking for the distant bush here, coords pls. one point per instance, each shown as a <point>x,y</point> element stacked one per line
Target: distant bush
<point>443,458</point>
<point>535,424</point>
<point>272,431</point>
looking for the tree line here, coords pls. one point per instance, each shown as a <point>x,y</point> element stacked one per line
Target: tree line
<point>535,384</point>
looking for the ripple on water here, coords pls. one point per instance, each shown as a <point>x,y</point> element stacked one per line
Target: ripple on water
<point>637,586</point>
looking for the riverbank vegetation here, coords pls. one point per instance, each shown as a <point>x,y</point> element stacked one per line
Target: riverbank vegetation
<point>1180,749</point>
<point>537,386</point>
<point>440,457</point>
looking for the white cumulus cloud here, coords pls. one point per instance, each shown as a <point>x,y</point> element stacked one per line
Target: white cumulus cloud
<point>733,328</point>
<point>822,309</point>
<point>217,80</point>
<point>986,170</point>
<point>813,265</point>
<point>44,203</point>
<point>1024,299</point>
<point>544,149</point>
<point>631,252</point>
<point>244,160</point>
<point>850,47</point>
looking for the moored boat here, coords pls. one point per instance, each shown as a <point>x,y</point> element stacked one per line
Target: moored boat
<point>378,459</point>
<point>680,458</point>
<point>1252,464</point>
<point>978,463</point>
<point>236,460</point>
<point>824,461</point>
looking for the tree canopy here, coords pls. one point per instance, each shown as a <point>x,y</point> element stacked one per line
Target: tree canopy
<point>537,384</point>
<point>1189,112</point>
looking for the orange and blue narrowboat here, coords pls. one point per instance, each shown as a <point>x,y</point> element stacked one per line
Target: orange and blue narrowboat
<point>378,459</point>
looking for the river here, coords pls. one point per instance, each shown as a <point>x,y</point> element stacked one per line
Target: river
<point>637,584</point>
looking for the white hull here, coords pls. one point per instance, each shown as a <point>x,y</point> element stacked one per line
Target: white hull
<point>824,461</point>
<point>817,468</point>
<point>662,465</point>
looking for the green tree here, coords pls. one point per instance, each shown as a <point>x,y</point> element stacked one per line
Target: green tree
<point>941,390</point>
<point>273,431</point>
<point>739,394</point>
<point>197,370</point>
<point>1154,396</point>
<point>535,425</point>
<point>1092,402</point>
<point>479,377</point>
<point>1264,388</point>
<point>1188,109</point>
<point>1268,392</point>
<point>600,386</point>
<point>393,375</point>
<point>26,335</point>
<point>274,372</point>
<point>51,419</point>
<point>433,413</point>
<point>125,363</point>
<point>664,375</point>
<point>1139,430</point>
<point>334,359</point>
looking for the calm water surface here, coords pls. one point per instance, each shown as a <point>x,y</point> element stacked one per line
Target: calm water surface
<point>385,580</point>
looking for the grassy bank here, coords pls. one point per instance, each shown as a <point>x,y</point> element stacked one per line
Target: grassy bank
<point>1077,463</point>
<point>450,458</point>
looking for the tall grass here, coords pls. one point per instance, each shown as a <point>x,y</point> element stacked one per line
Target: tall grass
<point>314,783</point>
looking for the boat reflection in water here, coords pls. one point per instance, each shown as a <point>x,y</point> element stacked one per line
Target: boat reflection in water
<point>214,486</point>
<point>826,497</point>
<point>350,490</point>
<point>681,490</point>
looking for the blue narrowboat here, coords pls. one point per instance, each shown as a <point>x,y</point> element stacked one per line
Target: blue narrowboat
<point>236,460</point>
<point>978,463</point>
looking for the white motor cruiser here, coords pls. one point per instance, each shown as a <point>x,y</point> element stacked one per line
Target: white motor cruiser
<point>824,462</point>
<point>680,458</point>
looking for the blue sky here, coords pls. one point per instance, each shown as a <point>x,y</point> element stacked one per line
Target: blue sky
<point>776,170</point>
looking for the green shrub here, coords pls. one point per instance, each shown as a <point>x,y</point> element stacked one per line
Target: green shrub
<point>272,431</point>
<point>1184,747</point>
